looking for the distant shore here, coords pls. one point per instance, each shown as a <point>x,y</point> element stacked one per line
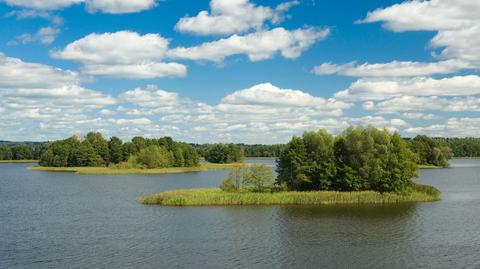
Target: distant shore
<point>217,197</point>
<point>118,171</point>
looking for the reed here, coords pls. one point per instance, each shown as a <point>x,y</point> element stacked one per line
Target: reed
<point>217,197</point>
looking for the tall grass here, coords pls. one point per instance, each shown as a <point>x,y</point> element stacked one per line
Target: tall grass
<point>114,170</point>
<point>214,196</point>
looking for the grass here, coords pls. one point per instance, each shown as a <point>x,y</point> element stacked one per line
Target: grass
<point>121,171</point>
<point>217,197</point>
<point>18,161</point>
<point>429,166</point>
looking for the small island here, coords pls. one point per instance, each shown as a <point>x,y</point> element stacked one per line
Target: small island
<point>361,165</point>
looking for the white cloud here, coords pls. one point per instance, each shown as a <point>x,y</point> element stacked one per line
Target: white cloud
<point>30,91</point>
<point>119,6</point>
<point>257,46</point>
<point>45,35</point>
<point>14,73</point>
<point>122,54</point>
<point>457,127</point>
<point>380,89</point>
<point>391,69</point>
<point>268,99</point>
<point>106,6</point>
<point>456,22</point>
<point>414,103</point>
<point>232,16</point>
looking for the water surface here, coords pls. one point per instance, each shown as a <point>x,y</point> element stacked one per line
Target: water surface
<point>63,220</point>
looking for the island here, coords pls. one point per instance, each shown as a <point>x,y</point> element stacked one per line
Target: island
<point>361,165</point>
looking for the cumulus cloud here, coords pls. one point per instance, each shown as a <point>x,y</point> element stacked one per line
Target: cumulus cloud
<point>257,46</point>
<point>31,92</point>
<point>232,16</point>
<point>391,69</point>
<point>106,6</point>
<point>458,127</point>
<point>45,35</point>
<point>456,22</point>
<point>122,54</point>
<point>414,103</point>
<point>380,89</point>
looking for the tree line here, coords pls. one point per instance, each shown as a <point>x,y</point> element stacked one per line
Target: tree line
<point>94,150</point>
<point>19,152</point>
<point>462,147</point>
<point>248,151</point>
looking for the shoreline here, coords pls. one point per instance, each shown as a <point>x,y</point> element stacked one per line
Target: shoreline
<point>18,161</point>
<point>117,171</point>
<point>217,197</point>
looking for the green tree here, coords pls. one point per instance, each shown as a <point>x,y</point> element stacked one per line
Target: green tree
<point>21,152</point>
<point>5,153</point>
<point>223,153</point>
<point>115,146</point>
<point>290,165</point>
<point>100,145</point>
<point>85,155</point>
<point>155,157</point>
<point>260,177</point>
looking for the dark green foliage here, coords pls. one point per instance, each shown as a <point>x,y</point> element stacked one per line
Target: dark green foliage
<point>22,152</point>
<point>128,149</point>
<point>430,151</point>
<point>462,147</point>
<point>57,153</point>
<point>358,159</point>
<point>85,155</point>
<point>115,145</point>
<point>5,153</point>
<point>100,145</point>
<point>223,153</point>
<point>267,151</point>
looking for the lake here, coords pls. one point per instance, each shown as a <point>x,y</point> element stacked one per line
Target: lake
<point>63,220</point>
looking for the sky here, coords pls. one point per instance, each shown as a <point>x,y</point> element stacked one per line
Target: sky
<point>237,70</point>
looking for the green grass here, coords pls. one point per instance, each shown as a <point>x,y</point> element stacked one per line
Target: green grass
<point>119,171</point>
<point>217,197</point>
<point>18,161</point>
<point>429,166</point>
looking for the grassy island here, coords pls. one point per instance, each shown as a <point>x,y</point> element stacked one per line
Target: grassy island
<point>203,166</point>
<point>218,197</point>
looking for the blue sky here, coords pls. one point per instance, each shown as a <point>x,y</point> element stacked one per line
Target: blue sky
<point>237,70</point>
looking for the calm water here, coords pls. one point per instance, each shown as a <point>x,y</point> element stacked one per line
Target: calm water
<point>61,220</point>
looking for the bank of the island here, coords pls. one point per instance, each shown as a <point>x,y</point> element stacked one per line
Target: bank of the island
<point>361,165</point>
<point>18,161</point>
<point>203,166</point>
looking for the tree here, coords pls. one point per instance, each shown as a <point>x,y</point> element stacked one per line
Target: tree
<point>85,155</point>
<point>222,153</point>
<point>290,165</point>
<point>155,157</point>
<point>5,153</point>
<point>430,151</point>
<point>128,149</point>
<point>100,145</point>
<point>115,146</point>
<point>21,152</point>
<point>260,177</point>
<point>234,180</point>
